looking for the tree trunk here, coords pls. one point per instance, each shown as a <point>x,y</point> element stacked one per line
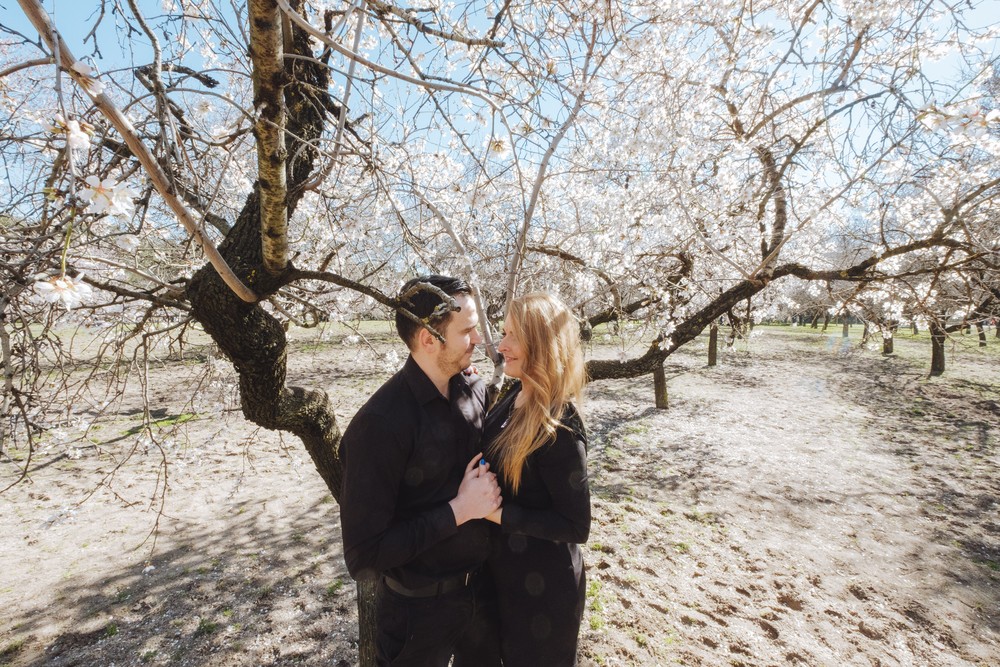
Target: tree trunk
<point>846,332</point>
<point>915,330</point>
<point>254,340</point>
<point>713,344</point>
<point>982,334</point>
<point>366,622</point>
<point>815,321</point>
<point>887,344</point>
<point>826,321</point>
<point>660,388</point>
<point>865,334</point>
<point>937,348</point>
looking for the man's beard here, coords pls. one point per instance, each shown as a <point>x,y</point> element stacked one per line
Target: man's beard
<point>451,365</point>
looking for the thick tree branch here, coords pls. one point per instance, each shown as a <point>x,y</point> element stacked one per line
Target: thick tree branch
<point>267,55</point>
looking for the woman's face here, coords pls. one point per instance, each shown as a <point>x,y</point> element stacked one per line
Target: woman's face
<point>514,354</point>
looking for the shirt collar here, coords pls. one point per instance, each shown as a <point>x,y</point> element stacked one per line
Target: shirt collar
<point>422,386</point>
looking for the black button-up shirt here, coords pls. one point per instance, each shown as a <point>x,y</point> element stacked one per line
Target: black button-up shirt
<point>404,456</point>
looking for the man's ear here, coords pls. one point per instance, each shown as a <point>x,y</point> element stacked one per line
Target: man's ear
<point>426,340</point>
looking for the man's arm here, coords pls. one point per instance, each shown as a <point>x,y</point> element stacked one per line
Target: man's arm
<point>376,539</point>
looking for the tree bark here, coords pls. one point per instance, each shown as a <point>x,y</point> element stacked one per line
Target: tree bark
<point>982,334</point>
<point>887,344</point>
<point>366,622</point>
<point>826,321</point>
<point>846,332</point>
<point>267,54</point>
<point>250,337</point>
<point>713,344</point>
<point>660,388</point>
<point>937,347</point>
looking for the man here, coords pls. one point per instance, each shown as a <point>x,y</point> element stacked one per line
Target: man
<point>414,493</point>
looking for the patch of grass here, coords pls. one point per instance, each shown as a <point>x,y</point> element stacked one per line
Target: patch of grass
<point>173,420</point>
<point>596,604</point>
<point>227,612</point>
<point>636,429</point>
<point>122,595</point>
<point>640,639</point>
<point>335,588</point>
<point>603,548</point>
<point>706,518</point>
<point>682,547</point>
<point>613,453</point>
<point>111,629</point>
<point>11,650</point>
<point>148,656</point>
<point>205,627</point>
<point>992,564</point>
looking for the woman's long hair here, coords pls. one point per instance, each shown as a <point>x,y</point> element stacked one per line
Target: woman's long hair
<point>552,368</point>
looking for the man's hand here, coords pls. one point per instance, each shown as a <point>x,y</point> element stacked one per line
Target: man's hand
<point>478,494</point>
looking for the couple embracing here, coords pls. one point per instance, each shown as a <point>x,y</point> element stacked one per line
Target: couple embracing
<point>471,521</point>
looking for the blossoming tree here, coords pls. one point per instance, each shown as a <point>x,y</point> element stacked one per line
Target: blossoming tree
<point>255,165</point>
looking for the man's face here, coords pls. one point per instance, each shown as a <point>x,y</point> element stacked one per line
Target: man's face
<point>461,336</point>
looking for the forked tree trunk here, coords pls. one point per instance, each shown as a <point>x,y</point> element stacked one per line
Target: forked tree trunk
<point>937,348</point>
<point>713,344</point>
<point>254,340</point>
<point>660,387</point>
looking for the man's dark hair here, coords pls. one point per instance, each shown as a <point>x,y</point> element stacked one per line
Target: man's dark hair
<point>423,302</point>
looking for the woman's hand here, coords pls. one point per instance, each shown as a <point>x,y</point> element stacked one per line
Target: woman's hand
<point>478,494</point>
<point>495,516</point>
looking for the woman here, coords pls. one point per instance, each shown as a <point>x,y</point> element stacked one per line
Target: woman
<point>537,445</point>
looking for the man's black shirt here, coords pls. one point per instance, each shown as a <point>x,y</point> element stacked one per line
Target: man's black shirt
<point>404,456</point>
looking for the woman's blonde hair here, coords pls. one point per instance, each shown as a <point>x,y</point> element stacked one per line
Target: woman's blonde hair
<point>552,369</point>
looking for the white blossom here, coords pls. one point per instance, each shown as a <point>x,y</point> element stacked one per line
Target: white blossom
<point>86,72</point>
<point>70,292</point>
<point>77,133</point>
<point>108,196</point>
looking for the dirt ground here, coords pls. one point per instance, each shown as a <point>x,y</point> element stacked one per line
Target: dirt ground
<point>805,502</point>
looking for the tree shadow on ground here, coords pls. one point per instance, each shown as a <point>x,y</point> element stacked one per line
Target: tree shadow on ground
<point>252,593</point>
<point>945,431</point>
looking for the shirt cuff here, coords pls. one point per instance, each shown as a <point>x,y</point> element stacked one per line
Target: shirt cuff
<point>443,520</point>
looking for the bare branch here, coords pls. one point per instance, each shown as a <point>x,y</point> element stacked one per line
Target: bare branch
<point>160,180</point>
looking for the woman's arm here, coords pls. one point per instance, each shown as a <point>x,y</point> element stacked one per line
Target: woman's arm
<point>562,466</point>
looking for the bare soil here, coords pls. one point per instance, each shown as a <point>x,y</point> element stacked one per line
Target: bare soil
<point>805,502</point>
